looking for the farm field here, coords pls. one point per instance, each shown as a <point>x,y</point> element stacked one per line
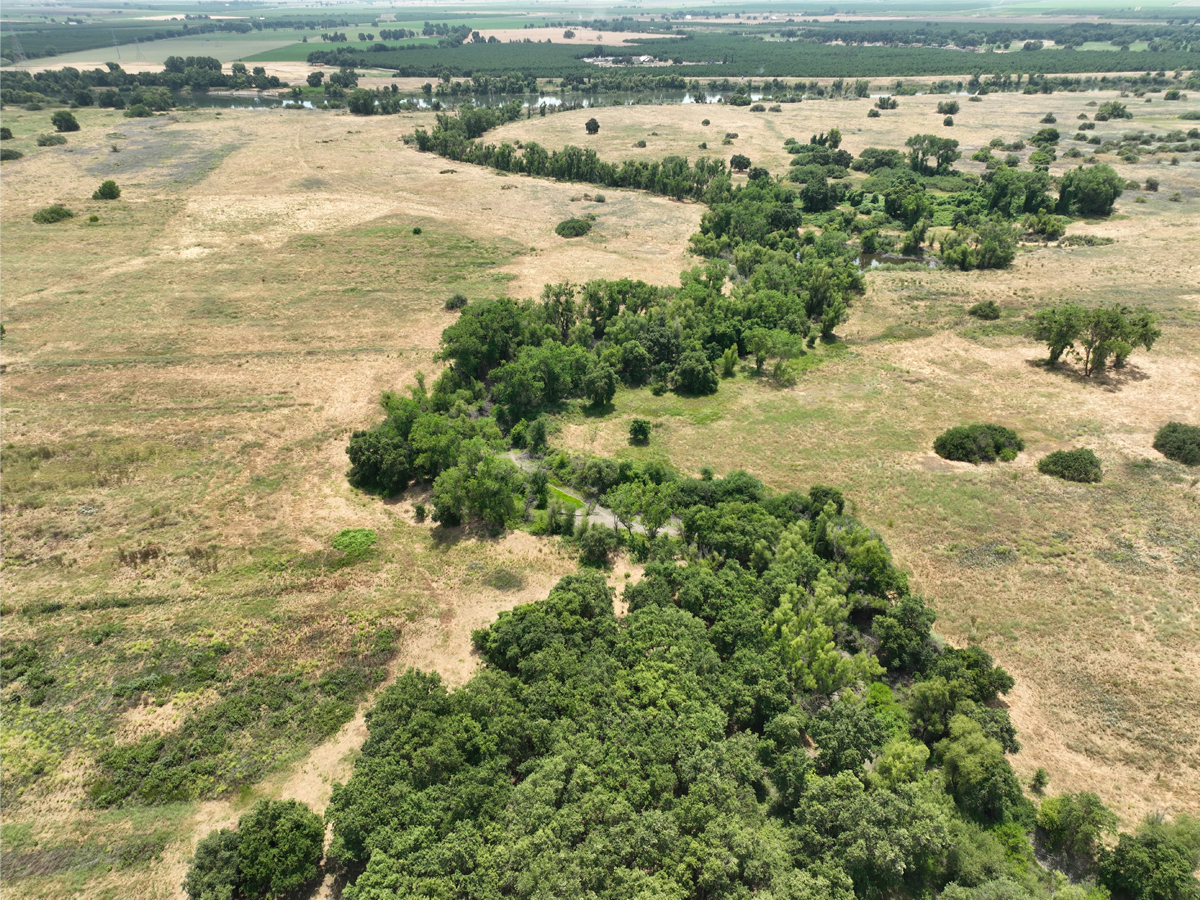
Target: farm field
<point>181,378</point>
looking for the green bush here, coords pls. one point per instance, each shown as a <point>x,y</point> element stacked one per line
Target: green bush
<point>107,191</point>
<point>597,543</point>
<point>456,301</point>
<point>417,229</point>
<point>50,214</point>
<point>5,133</point>
<point>213,874</point>
<point>1150,865</point>
<point>355,541</point>
<point>570,228</point>
<point>1179,442</point>
<point>50,140</point>
<point>1072,465</point>
<point>64,121</point>
<point>949,120</point>
<point>7,153</point>
<point>978,443</point>
<point>138,111</point>
<point>694,374</point>
<point>281,846</point>
<point>639,431</point>
<point>986,309</point>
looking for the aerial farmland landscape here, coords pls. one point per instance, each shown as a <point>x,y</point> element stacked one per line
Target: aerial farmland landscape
<point>548,450</point>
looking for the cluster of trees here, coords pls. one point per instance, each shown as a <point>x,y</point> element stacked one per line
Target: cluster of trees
<point>112,86</point>
<point>275,850</point>
<point>1095,335</point>
<point>722,55</point>
<point>456,137</point>
<point>774,716</point>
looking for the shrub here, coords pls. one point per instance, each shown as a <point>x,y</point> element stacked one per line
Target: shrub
<point>417,229</point>
<point>1148,866</point>
<point>64,121</point>
<point>949,120</point>
<point>570,228</point>
<point>694,374</point>
<point>947,107</point>
<point>1072,465</point>
<point>1175,198</point>
<point>978,443</point>
<point>420,512</point>
<point>986,309</point>
<point>639,431</point>
<point>591,126</point>
<point>599,198</point>
<point>596,543</point>
<point>213,874</point>
<point>51,214</point>
<point>93,218</point>
<point>7,153</point>
<point>355,541</point>
<point>281,843</point>
<point>107,191</point>
<point>639,144</point>
<point>138,111</point>
<point>1179,442</point>
<point>1048,119</point>
<point>705,122</point>
<point>1152,185</point>
<point>872,113</point>
<point>456,301</point>
<point>758,107</point>
<point>7,135</point>
<point>50,140</point>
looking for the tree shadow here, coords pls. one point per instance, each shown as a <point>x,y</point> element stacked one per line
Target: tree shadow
<point>1111,379</point>
<point>592,411</point>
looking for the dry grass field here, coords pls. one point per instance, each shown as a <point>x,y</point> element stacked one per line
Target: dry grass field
<point>183,375</point>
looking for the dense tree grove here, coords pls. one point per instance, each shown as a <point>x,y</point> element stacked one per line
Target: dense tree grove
<point>773,717</point>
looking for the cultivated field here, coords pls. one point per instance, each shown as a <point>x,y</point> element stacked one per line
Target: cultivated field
<point>183,375</point>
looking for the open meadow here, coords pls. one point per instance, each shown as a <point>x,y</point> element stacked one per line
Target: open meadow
<point>182,375</point>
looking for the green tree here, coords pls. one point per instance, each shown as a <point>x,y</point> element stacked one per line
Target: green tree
<point>639,431</point>
<point>1059,327</point>
<point>64,121</point>
<point>107,191</point>
<point>601,384</point>
<point>1089,190</point>
<point>361,102</point>
<point>1149,866</point>
<point>977,774</point>
<point>591,126</point>
<point>739,162</point>
<point>694,374</point>
<point>213,874</point>
<point>1073,825</point>
<point>804,626</point>
<point>281,843</point>
<point>315,78</point>
<point>922,147</point>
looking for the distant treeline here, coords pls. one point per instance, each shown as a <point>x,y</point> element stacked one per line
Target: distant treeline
<point>1161,37</point>
<point>199,73</point>
<point>734,56</point>
<point>41,40</point>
